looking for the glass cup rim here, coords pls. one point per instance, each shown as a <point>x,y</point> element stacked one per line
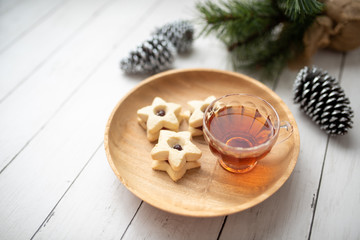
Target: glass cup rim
<point>222,144</point>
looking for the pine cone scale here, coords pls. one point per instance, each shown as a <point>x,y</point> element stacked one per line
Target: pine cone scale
<point>323,100</point>
<point>153,55</point>
<point>179,33</point>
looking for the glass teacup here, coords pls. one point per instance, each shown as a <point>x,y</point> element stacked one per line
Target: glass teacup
<point>241,129</point>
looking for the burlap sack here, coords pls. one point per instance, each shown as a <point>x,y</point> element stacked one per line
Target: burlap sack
<point>338,29</point>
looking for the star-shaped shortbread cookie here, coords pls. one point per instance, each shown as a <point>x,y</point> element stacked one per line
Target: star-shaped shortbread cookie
<point>176,148</point>
<point>174,175</point>
<point>159,115</point>
<point>197,113</point>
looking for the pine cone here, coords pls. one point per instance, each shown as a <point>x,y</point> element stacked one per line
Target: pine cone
<point>153,55</point>
<point>321,97</point>
<point>180,34</point>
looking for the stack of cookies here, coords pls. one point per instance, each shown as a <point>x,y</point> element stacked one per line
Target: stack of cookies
<point>197,113</point>
<point>174,152</point>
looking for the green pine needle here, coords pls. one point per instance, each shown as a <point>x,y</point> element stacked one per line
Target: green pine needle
<point>299,10</point>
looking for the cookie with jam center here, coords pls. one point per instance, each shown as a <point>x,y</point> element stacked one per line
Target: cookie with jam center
<point>176,150</point>
<point>159,115</point>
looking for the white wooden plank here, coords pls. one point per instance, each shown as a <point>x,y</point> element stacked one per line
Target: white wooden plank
<point>19,20</point>
<point>288,213</point>
<point>23,58</point>
<point>337,212</point>
<point>60,150</point>
<point>41,95</point>
<point>106,83</point>
<point>97,206</point>
<point>46,167</point>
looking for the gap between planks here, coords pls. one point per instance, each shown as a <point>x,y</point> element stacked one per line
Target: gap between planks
<point>274,86</point>
<point>82,82</point>
<point>61,106</point>
<point>51,213</point>
<point>127,227</point>
<point>342,64</point>
<point>32,26</point>
<point>77,176</point>
<point>222,227</point>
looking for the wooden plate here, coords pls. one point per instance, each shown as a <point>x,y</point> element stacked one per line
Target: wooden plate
<point>209,190</point>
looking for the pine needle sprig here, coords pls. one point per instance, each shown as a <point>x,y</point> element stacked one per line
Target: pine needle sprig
<point>272,51</point>
<point>299,10</point>
<point>236,21</point>
<point>261,35</point>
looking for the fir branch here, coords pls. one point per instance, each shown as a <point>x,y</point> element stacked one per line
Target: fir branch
<point>261,35</point>
<point>270,54</point>
<point>249,39</point>
<point>236,21</point>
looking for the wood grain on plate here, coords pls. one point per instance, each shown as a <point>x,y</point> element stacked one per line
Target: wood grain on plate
<point>210,190</point>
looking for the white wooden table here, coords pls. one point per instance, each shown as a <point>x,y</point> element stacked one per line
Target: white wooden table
<point>59,81</point>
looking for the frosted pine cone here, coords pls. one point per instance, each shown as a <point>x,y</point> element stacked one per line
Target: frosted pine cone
<point>180,34</point>
<point>154,55</point>
<point>321,98</point>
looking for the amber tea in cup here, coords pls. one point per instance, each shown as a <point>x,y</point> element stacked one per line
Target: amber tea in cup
<point>241,129</point>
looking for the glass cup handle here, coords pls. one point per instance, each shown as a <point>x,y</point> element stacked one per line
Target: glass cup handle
<point>285,131</point>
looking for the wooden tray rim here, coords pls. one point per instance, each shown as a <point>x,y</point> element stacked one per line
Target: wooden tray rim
<point>262,197</point>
